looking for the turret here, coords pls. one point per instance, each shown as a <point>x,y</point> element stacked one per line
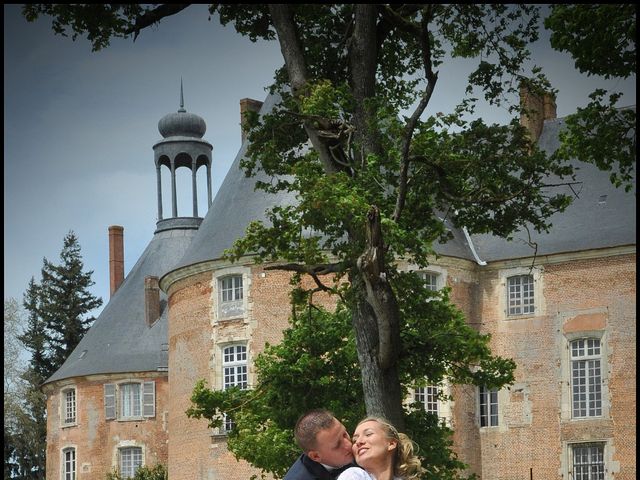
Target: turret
<point>182,146</point>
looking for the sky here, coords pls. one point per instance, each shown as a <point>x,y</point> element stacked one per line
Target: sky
<point>79,127</point>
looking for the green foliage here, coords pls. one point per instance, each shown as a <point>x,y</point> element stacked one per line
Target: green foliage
<point>604,136</point>
<point>156,472</point>
<point>57,308</point>
<point>316,366</point>
<point>98,21</point>
<point>64,302</point>
<point>602,40</point>
<point>600,37</point>
<point>369,185</point>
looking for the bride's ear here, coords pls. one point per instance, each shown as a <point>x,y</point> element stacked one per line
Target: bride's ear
<point>392,445</point>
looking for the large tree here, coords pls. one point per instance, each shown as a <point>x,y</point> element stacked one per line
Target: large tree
<point>58,315</point>
<point>64,302</point>
<point>381,177</point>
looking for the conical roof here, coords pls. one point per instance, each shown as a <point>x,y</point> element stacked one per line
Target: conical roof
<point>120,340</point>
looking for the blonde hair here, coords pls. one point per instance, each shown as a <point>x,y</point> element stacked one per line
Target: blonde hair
<point>406,464</point>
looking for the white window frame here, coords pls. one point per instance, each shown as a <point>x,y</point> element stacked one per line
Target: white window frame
<point>520,295</point>
<point>538,305</point>
<point>485,411</point>
<point>66,407</point>
<point>237,306</point>
<point>588,402</point>
<point>117,407</point>
<point>65,473</point>
<point>425,394</point>
<point>235,371</point>
<point>130,405</point>
<point>440,274</point>
<point>566,411</point>
<point>594,457</point>
<point>611,466</point>
<point>133,466</point>
<point>428,397</point>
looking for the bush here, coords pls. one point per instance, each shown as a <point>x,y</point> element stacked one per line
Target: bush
<point>157,472</point>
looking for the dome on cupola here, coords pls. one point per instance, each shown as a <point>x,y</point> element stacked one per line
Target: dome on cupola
<point>182,123</point>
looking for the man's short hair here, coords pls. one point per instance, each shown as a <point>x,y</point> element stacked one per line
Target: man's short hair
<point>309,425</point>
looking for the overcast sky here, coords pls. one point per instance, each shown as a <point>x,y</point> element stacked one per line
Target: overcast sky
<point>79,127</point>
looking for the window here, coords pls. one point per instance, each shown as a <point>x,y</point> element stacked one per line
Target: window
<point>586,378</point>
<point>428,396</point>
<point>69,464</point>
<point>234,372</point>
<point>488,407</point>
<point>231,296</point>
<point>520,299</point>
<point>231,288</point>
<point>69,406</point>
<point>431,280</point>
<point>132,400</point>
<point>588,461</point>
<point>130,461</point>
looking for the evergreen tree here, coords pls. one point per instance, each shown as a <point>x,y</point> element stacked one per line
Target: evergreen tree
<point>65,301</point>
<point>57,320</point>
<point>25,404</point>
<point>34,338</point>
<point>376,183</point>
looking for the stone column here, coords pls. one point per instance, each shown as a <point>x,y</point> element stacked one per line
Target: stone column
<point>194,188</point>
<point>159,182</point>
<point>174,200</point>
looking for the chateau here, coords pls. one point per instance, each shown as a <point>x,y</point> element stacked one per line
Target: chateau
<point>565,313</point>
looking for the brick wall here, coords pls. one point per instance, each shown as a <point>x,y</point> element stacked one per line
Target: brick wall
<point>581,296</point>
<point>96,440</point>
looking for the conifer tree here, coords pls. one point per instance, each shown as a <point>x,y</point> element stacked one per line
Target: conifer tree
<point>58,309</point>
<point>65,301</point>
<point>25,414</point>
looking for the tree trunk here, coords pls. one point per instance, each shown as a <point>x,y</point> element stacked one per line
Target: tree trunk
<point>376,321</point>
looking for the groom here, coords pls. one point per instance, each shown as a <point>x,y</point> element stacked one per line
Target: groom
<point>326,445</point>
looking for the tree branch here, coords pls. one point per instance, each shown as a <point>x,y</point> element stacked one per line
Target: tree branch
<point>294,60</point>
<point>314,271</point>
<point>154,16</point>
<point>432,78</point>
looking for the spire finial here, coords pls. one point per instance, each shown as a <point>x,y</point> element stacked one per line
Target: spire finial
<point>181,98</point>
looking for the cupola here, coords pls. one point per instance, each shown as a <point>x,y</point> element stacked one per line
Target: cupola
<point>182,146</point>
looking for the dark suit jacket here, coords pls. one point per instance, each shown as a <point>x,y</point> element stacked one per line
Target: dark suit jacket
<point>306,469</point>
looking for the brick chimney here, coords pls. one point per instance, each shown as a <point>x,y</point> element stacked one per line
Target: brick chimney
<point>116,257</point>
<point>538,107</point>
<point>247,105</point>
<point>151,300</point>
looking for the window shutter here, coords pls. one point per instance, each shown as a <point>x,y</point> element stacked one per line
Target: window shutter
<point>149,399</point>
<point>109,401</point>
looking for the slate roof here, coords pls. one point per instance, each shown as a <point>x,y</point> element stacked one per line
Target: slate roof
<point>601,216</point>
<point>586,224</point>
<point>119,340</point>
